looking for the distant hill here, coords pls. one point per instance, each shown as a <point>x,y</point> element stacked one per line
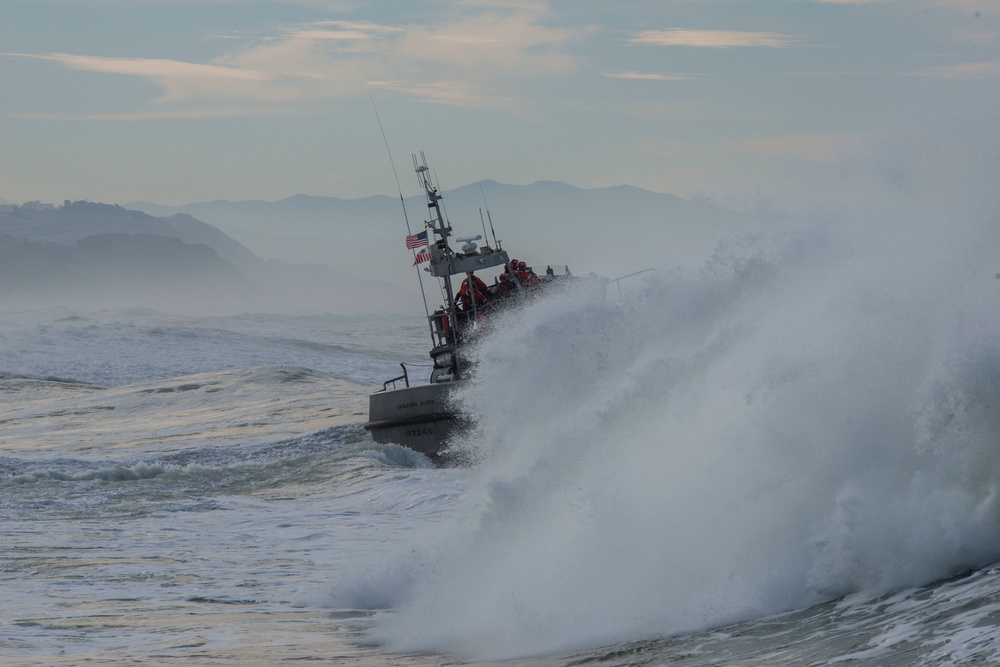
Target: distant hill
<point>610,231</point>
<point>112,269</point>
<point>75,221</point>
<point>357,236</point>
<point>349,254</point>
<point>108,254</point>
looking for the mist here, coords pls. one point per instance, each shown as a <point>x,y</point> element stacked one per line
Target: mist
<point>86,255</point>
<point>813,414</point>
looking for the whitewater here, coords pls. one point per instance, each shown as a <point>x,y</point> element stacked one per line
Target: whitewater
<point>790,455</point>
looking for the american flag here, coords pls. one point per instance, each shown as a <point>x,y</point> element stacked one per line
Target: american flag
<point>421,258</point>
<point>416,240</point>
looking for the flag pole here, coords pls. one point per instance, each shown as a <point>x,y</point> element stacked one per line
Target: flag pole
<point>399,188</point>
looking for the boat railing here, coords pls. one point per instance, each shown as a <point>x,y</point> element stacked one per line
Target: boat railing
<point>618,280</point>
<point>404,377</point>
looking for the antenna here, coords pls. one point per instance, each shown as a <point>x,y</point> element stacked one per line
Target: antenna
<point>483,221</point>
<point>406,218</point>
<point>496,244</point>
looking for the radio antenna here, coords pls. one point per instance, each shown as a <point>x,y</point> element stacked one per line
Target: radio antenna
<point>496,244</point>
<point>406,218</point>
<point>483,221</point>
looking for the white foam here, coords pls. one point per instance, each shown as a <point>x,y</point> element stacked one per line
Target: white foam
<point>816,414</point>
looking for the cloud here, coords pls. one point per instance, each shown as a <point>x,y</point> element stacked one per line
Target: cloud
<point>325,5</point>
<point>163,114</point>
<point>449,93</point>
<point>159,69</point>
<point>181,82</point>
<point>340,30</point>
<point>478,55</point>
<point>477,58</point>
<point>714,39</point>
<point>517,43</point>
<point>980,70</point>
<point>971,6</point>
<point>648,76</point>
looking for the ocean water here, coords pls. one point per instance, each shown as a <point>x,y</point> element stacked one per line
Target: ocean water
<point>790,457</point>
<point>724,485</point>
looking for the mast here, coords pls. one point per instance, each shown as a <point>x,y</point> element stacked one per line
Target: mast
<point>444,264</point>
<point>441,229</point>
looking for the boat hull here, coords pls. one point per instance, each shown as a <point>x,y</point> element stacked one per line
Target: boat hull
<point>419,417</point>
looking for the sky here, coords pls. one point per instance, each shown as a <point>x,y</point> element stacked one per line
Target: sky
<point>179,101</point>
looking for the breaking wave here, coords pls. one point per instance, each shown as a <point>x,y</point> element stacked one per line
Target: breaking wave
<point>815,414</point>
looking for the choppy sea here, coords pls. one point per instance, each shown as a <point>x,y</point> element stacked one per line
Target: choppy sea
<point>791,457</point>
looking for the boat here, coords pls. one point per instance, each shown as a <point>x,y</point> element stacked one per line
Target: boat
<point>423,417</point>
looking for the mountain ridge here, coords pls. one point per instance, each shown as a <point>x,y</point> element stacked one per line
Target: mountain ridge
<point>610,230</point>
<point>94,252</point>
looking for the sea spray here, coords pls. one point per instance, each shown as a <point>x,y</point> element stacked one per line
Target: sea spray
<point>815,414</point>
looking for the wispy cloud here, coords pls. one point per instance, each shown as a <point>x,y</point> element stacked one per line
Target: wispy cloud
<point>980,70</point>
<point>713,39</point>
<point>852,2</point>
<point>477,56</point>
<point>648,76</point>
<point>442,63</point>
<point>846,73</point>
<point>449,93</point>
<point>162,114</point>
<point>517,43</point>
<point>971,6</point>
<point>181,82</point>
<point>339,30</point>
<point>152,68</point>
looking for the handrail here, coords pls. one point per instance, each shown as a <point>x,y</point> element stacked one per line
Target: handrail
<point>619,279</point>
<point>404,377</point>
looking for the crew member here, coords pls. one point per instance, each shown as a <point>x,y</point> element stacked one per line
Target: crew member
<point>473,290</point>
